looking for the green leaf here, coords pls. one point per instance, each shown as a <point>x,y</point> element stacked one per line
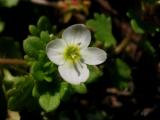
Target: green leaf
<point>123,70</point>
<point>2,25</point>
<point>34,30</point>
<point>39,75</point>
<point>80,88</point>
<point>8,77</point>
<point>48,78</point>
<point>36,71</point>
<point>95,73</point>
<point>49,102</point>
<point>123,85</point>
<point>32,45</point>
<point>42,55</point>
<point>63,89</point>
<point>40,71</point>
<point>3,101</point>
<point>44,35</point>
<point>147,47</point>
<point>44,23</point>
<point>21,95</point>
<point>36,66</point>
<point>142,26</point>
<point>35,92</point>
<point>102,26</point>
<point>9,3</point>
<point>136,27</point>
<point>121,73</point>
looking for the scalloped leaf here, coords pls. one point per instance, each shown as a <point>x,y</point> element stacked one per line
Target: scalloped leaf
<point>102,26</point>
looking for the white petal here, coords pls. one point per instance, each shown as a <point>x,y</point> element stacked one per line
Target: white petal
<point>77,34</point>
<point>74,73</point>
<point>93,56</point>
<point>55,50</point>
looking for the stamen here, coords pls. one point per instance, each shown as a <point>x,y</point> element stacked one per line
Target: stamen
<point>72,53</point>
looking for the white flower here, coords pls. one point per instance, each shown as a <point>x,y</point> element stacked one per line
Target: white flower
<point>71,53</point>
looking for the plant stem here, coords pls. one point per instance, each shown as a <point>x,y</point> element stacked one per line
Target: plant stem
<point>11,61</point>
<point>123,44</point>
<point>46,3</point>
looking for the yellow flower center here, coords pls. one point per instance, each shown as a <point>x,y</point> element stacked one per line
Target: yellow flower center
<point>72,53</point>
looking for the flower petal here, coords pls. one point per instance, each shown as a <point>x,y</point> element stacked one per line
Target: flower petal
<point>55,50</point>
<point>77,34</point>
<point>74,73</point>
<point>93,56</point>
